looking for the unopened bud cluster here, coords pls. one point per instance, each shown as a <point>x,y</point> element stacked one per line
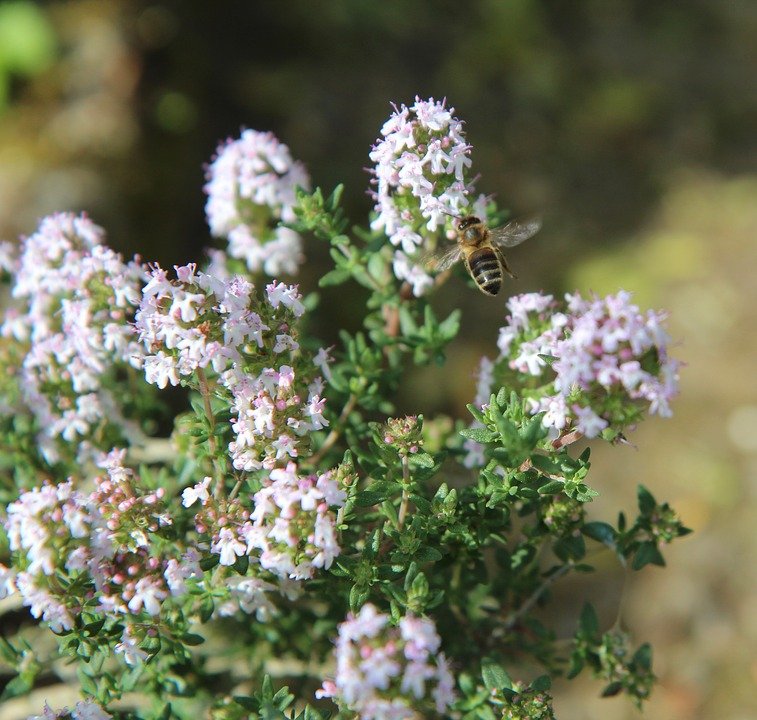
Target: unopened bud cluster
<point>105,538</point>
<point>525,703</point>
<point>564,516</point>
<point>404,434</point>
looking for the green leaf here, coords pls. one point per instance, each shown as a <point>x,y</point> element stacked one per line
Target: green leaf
<point>358,596</point>
<point>601,532</point>
<point>550,488</point>
<point>206,608</point>
<point>368,498</point>
<point>427,554</point>
<point>422,504</point>
<point>335,277</point>
<point>209,562</point>
<point>19,685</point>
<point>642,658</point>
<point>545,464</point>
<point>589,621</point>
<point>495,677</point>
<point>647,554</point>
<point>450,326</point>
<point>407,323</point>
<point>571,547</point>
<point>480,435</point>
<point>423,459</point>
<point>577,664</point>
<point>542,683</point>
<point>193,639</point>
<point>477,414</point>
<point>333,200</point>
<point>88,684</point>
<point>646,501</point>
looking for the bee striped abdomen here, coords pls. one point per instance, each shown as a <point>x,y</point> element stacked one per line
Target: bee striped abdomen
<point>486,270</point>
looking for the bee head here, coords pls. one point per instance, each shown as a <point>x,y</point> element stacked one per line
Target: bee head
<point>465,222</point>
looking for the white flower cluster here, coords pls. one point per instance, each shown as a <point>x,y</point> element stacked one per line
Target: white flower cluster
<point>59,531</point>
<point>420,176</point>
<point>252,182</point>
<point>385,672</point>
<point>291,528</point>
<point>79,299</point>
<point>83,710</point>
<point>293,525</point>
<point>601,361</point>
<point>199,321</point>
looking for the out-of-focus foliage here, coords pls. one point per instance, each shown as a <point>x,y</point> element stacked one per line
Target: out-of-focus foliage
<point>27,44</point>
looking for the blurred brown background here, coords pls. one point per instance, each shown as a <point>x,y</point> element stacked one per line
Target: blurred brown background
<point>629,126</point>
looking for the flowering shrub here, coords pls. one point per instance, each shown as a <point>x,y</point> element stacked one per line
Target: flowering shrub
<point>293,531</point>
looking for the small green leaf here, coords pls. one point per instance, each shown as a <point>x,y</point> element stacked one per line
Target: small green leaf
<point>495,677</point>
<point>642,658</point>
<point>601,532</point>
<point>206,608</point>
<point>542,683</point>
<point>477,414</point>
<point>646,501</point>
<point>589,620</point>
<point>427,554</point>
<point>335,277</point>
<point>193,639</point>
<point>423,459</point>
<point>209,562</point>
<point>480,435</point>
<point>358,596</point>
<point>19,685</point>
<point>367,498</point>
<point>550,488</point>
<point>647,554</point>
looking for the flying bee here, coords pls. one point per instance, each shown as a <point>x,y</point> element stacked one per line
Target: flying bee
<point>481,250</point>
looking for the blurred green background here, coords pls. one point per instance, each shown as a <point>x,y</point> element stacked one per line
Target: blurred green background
<point>629,126</point>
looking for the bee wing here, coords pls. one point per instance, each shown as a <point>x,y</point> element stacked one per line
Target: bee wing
<point>440,261</point>
<point>514,233</point>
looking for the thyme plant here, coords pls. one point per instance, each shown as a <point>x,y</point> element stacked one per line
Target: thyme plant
<point>296,549</point>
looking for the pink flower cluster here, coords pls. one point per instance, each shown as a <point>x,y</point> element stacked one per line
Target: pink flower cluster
<point>420,176</point>
<point>79,298</point>
<point>108,535</point>
<point>291,530</point>
<point>592,364</point>
<point>83,710</point>
<point>387,673</point>
<point>199,321</point>
<point>251,182</point>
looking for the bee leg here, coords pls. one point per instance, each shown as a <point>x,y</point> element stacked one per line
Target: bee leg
<point>505,266</point>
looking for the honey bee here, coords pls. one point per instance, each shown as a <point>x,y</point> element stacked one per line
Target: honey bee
<point>480,249</point>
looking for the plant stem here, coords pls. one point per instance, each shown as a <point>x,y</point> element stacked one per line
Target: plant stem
<point>212,444</point>
<point>532,599</point>
<point>405,493</point>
